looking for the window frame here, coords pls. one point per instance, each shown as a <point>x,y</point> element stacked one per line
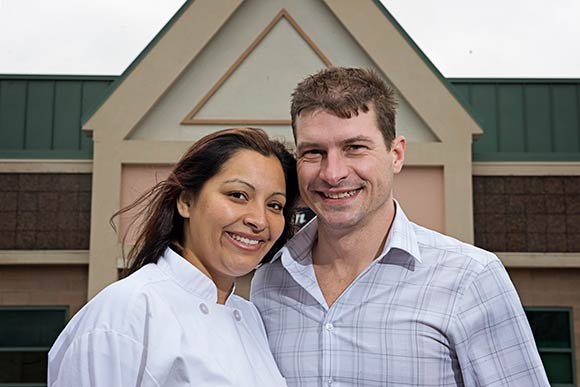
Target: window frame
<point>571,350</point>
<point>66,315</point>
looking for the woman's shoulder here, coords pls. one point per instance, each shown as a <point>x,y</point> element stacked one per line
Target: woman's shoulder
<point>121,305</point>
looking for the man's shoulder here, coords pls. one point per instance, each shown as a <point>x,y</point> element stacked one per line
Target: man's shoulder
<point>435,245</point>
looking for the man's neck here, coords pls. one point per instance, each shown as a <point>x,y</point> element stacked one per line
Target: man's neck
<point>339,256</point>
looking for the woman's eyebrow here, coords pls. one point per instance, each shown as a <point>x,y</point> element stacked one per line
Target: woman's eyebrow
<point>250,186</point>
<point>241,182</point>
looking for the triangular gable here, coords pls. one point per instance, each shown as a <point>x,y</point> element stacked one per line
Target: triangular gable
<point>157,67</point>
<point>409,70</point>
<point>244,81</point>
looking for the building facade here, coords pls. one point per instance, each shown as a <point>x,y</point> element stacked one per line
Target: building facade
<point>501,158</point>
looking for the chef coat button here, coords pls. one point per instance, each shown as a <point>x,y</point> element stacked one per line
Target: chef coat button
<point>237,315</point>
<point>204,309</point>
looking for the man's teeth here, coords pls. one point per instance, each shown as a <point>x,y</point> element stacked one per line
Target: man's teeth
<point>340,195</point>
<point>245,240</point>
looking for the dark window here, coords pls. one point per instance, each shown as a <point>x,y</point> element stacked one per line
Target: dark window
<point>552,328</point>
<point>26,335</point>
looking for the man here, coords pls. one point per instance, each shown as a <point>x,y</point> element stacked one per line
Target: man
<point>361,296</point>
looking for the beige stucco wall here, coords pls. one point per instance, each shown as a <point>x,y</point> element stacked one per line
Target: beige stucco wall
<point>44,286</point>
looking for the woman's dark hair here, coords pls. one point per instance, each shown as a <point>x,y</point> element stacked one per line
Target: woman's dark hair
<point>162,225</point>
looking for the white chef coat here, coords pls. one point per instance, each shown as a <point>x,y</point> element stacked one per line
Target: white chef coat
<point>161,326</point>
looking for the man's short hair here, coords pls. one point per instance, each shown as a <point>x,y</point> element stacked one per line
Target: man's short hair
<point>345,91</point>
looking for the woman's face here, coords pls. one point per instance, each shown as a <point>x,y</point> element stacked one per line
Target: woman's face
<point>236,217</point>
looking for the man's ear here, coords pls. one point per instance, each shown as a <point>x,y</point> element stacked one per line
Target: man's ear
<point>183,202</point>
<point>398,150</point>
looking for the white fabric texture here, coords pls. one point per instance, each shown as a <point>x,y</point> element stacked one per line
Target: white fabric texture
<point>161,326</point>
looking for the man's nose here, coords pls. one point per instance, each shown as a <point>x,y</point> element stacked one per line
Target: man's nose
<point>334,168</point>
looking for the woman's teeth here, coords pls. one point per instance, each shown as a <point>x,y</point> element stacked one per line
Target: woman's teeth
<point>244,240</point>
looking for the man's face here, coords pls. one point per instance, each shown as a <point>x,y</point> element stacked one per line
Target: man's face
<point>345,171</point>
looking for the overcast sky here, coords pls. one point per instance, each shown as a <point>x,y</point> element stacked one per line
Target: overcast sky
<point>463,38</point>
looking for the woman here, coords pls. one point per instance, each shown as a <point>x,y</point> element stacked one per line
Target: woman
<point>174,320</point>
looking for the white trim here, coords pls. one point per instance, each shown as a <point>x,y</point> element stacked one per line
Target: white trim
<point>44,257</point>
<point>45,166</point>
<point>540,260</point>
<point>526,168</point>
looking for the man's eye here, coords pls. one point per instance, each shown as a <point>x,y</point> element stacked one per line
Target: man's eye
<point>311,153</point>
<point>356,147</point>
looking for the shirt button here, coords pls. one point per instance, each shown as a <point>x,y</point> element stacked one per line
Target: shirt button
<point>329,382</point>
<point>204,309</point>
<point>237,315</point>
<point>329,327</point>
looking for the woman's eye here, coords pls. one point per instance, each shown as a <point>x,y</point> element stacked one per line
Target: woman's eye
<point>238,195</point>
<point>277,206</point>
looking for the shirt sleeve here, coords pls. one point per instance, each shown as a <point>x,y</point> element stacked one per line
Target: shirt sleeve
<point>101,358</point>
<point>493,340</point>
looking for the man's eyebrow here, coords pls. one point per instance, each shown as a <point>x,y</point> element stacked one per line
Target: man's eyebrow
<point>357,139</point>
<point>348,141</point>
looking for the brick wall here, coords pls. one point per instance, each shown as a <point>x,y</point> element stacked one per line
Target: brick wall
<point>45,211</point>
<point>527,214</point>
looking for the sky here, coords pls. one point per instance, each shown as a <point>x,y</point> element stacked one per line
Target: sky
<point>462,38</point>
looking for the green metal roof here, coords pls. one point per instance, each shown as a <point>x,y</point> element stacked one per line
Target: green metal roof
<point>522,119</point>
<point>525,119</point>
<point>40,116</point>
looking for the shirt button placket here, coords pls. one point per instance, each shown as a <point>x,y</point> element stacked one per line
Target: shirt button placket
<point>327,341</point>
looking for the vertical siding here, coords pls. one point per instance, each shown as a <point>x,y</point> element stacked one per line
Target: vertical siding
<point>510,118</point>
<point>92,93</point>
<point>12,114</point>
<point>565,115</point>
<point>39,109</point>
<point>525,120</point>
<point>538,118</point>
<point>484,97</point>
<point>40,117</point>
<point>67,114</point>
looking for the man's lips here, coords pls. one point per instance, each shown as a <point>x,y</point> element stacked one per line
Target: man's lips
<point>338,195</point>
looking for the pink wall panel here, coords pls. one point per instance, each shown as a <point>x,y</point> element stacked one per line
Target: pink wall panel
<point>135,180</point>
<point>419,190</point>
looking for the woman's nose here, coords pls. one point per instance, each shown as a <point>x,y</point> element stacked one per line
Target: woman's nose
<point>256,218</point>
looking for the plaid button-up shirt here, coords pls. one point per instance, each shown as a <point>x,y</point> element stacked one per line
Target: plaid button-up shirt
<point>429,311</point>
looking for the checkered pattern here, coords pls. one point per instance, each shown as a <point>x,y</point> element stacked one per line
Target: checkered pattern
<point>430,311</point>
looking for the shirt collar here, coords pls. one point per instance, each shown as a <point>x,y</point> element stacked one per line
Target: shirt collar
<point>187,276</point>
<point>401,236</point>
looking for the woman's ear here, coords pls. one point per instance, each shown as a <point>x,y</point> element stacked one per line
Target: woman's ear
<point>183,203</point>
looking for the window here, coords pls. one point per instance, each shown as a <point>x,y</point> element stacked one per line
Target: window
<point>552,328</point>
<point>26,335</point>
